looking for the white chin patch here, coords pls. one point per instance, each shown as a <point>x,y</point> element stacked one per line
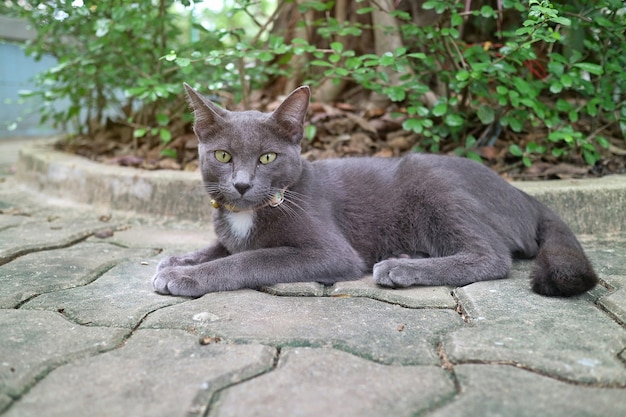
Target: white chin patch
<point>241,223</point>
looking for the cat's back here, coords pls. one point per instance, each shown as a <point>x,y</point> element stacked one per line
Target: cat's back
<point>357,169</point>
<point>415,167</point>
<point>383,185</point>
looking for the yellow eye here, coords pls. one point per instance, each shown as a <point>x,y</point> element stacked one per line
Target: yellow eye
<point>266,158</point>
<point>222,156</point>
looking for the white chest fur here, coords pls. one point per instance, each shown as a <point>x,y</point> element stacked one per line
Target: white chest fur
<point>241,223</point>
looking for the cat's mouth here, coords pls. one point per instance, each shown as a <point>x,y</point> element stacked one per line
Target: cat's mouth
<point>245,205</point>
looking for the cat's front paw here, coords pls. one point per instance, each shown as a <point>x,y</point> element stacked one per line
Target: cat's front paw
<point>392,273</point>
<point>177,281</point>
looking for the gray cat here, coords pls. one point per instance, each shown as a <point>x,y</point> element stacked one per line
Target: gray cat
<point>416,220</point>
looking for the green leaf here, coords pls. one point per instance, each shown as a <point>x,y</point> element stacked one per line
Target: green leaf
<point>183,62</point>
<point>440,109</point>
<point>310,131</point>
<point>590,68</point>
<point>591,156</point>
<point>603,142</point>
<point>400,51</point>
<point>592,107</point>
<point>515,150</point>
<point>170,153</point>
<point>387,59</point>
<point>532,147</point>
<point>462,75</point>
<point>521,85</point>
<point>265,56</point>
<point>320,63</point>
<point>171,56</point>
<point>474,156</point>
<point>516,124</point>
<point>561,20</point>
<point>486,11</point>
<point>162,119</point>
<point>413,125</point>
<point>454,120</point>
<point>567,80</point>
<point>166,135</point>
<point>140,132</point>
<point>395,93</point>
<point>556,87</point>
<point>456,19</point>
<point>350,30</point>
<point>485,114</point>
<point>336,46</point>
<point>353,63</point>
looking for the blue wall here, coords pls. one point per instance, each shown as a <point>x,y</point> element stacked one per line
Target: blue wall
<point>17,72</point>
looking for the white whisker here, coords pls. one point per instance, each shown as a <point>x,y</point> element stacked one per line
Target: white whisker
<point>293,203</point>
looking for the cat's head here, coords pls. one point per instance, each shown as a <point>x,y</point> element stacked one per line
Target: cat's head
<point>247,158</point>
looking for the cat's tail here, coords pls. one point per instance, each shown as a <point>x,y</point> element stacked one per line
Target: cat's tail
<point>561,266</point>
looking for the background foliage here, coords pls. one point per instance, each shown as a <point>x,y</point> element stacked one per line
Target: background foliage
<point>547,76</point>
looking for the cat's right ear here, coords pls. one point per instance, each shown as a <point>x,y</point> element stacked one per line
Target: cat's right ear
<point>207,115</point>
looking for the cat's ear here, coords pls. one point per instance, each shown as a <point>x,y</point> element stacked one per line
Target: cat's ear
<point>207,115</point>
<point>291,113</point>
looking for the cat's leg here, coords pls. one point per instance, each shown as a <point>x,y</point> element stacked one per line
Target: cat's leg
<point>258,268</point>
<point>194,258</point>
<point>455,270</point>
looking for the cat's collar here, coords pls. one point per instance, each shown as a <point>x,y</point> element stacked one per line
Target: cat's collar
<point>276,200</point>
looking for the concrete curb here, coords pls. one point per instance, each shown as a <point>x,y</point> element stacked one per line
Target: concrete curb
<point>588,206</point>
<point>69,177</point>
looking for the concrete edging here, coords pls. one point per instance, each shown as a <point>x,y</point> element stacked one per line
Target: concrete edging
<point>69,177</point>
<point>589,206</point>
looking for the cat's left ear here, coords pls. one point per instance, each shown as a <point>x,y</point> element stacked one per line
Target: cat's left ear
<point>291,113</point>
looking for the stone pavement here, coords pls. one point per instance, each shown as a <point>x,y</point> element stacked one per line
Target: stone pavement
<point>83,334</point>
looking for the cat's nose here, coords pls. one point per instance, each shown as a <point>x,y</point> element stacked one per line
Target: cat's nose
<point>242,187</point>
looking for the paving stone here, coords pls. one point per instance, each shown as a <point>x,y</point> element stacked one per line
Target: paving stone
<point>379,331</point>
<point>121,297</point>
<point>333,383</point>
<point>52,270</point>
<point>297,289</point>
<point>415,297</point>
<point>492,390</point>
<point>9,221</point>
<point>43,234</point>
<point>34,342</point>
<point>5,400</point>
<point>567,337</point>
<point>615,303</point>
<point>161,237</point>
<point>155,373</point>
<point>608,256</point>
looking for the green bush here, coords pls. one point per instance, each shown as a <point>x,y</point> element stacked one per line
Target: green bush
<point>558,73</point>
<point>580,95</point>
<point>116,62</point>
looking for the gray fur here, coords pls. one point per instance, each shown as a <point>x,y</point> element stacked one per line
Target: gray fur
<point>457,221</point>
